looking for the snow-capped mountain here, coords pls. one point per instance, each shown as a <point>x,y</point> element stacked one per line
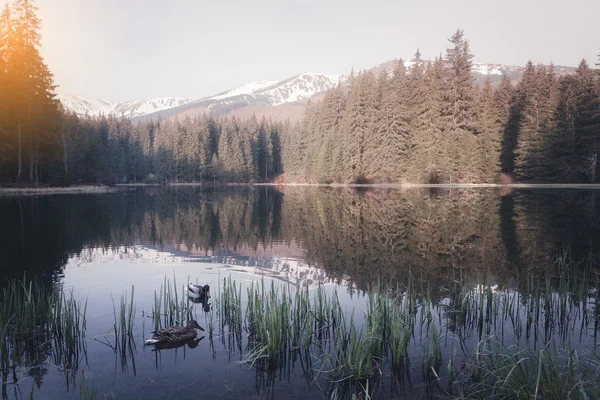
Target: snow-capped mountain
<point>298,87</point>
<point>128,109</point>
<point>257,94</point>
<point>83,106</point>
<point>261,95</point>
<point>248,88</point>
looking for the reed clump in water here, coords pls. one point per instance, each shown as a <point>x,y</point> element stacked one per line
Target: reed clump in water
<point>530,327</point>
<point>171,307</point>
<point>37,326</point>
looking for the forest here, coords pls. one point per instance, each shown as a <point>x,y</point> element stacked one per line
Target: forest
<point>429,123</point>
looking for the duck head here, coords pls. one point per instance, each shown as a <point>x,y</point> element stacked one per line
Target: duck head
<point>192,324</point>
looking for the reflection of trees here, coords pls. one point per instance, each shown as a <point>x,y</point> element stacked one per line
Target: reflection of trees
<point>553,222</point>
<point>389,233</point>
<point>438,235</point>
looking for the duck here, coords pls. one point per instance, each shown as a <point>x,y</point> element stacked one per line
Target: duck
<point>195,290</point>
<point>192,344</point>
<point>175,334</point>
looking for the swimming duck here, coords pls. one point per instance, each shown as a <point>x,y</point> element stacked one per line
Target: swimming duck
<point>199,291</point>
<point>175,334</point>
<point>191,343</point>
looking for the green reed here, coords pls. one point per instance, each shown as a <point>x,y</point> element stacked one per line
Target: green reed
<point>285,324</point>
<point>548,373</point>
<point>37,325</point>
<point>89,392</point>
<point>124,322</point>
<point>171,307</point>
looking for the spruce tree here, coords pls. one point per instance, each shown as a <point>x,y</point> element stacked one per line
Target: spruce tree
<point>529,126</point>
<point>430,163</point>
<point>33,107</point>
<point>460,110</point>
<point>328,168</point>
<point>588,119</point>
<point>507,115</point>
<point>391,139</point>
<point>355,127</point>
<point>5,37</point>
<point>488,136</point>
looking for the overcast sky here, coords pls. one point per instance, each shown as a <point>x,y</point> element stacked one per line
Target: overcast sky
<point>135,49</point>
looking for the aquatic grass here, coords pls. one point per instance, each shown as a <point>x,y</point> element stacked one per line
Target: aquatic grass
<point>286,324</point>
<point>231,316</point>
<point>547,373</point>
<point>89,392</point>
<point>171,306</point>
<point>124,320</point>
<point>38,327</point>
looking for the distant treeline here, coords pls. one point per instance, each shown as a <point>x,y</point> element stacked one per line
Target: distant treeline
<point>428,124</point>
<point>113,150</point>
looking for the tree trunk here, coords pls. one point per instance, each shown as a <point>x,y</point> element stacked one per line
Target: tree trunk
<point>594,163</point>
<point>20,153</point>
<point>64,145</point>
<point>31,166</point>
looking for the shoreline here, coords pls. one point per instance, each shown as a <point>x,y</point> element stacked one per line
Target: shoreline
<point>103,189</point>
<point>439,185</point>
<point>40,191</point>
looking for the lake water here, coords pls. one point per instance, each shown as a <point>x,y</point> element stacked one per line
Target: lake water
<point>344,240</point>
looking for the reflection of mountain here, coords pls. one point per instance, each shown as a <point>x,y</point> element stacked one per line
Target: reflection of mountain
<point>353,236</point>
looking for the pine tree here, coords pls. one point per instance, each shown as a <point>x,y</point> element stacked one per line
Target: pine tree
<point>332,109</point>
<point>588,119</point>
<point>488,136</point>
<point>538,104</point>
<point>529,122</point>
<point>429,163</point>
<point>34,109</point>
<point>5,38</point>
<point>262,153</point>
<point>356,125</point>
<point>507,115</point>
<point>460,110</point>
<point>275,143</point>
<point>391,140</point>
<point>461,95</point>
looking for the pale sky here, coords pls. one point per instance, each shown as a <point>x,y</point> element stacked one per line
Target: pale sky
<point>135,49</point>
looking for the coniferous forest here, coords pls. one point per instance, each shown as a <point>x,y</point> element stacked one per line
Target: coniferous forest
<point>429,123</point>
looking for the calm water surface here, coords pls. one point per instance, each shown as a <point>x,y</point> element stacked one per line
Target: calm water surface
<point>340,239</point>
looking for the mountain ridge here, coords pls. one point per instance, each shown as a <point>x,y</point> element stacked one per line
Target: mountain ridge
<point>260,96</point>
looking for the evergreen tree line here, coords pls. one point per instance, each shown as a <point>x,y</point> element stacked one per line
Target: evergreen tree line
<point>113,150</point>
<point>29,114</point>
<point>432,124</point>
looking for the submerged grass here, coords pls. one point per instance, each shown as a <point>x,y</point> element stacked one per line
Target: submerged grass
<point>39,327</point>
<point>124,322</point>
<point>171,307</point>
<point>481,340</point>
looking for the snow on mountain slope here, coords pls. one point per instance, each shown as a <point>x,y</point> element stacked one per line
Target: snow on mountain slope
<point>248,88</point>
<point>298,87</point>
<point>82,106</point>
<point>130,109</point>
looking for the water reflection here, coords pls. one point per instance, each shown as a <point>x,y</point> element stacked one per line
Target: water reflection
<point>353,236</point>
<point>431,244</point>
